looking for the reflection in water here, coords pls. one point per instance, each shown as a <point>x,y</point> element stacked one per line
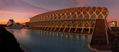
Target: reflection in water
<point>20,34</point>
<point>43,41</point>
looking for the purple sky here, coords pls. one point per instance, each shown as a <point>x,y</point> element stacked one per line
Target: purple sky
<point>24,9</point>
<point>112,5</point>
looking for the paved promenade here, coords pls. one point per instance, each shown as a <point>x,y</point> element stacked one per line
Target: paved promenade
<point>100,37</point>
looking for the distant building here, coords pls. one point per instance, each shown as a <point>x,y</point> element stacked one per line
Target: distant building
<point>11,22</point>
<point>112,24</point>
<point>12,25</point>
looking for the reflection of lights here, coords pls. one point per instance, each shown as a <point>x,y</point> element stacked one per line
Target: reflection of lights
<point>89,38</point>
<point>57,34</point>
<point>83,37</point>
<point>52,34</point>
<point>77,37</point>
<point>66,36</point>
<point>21,34</point>
<point>61,35</point>
<point>71,36</point>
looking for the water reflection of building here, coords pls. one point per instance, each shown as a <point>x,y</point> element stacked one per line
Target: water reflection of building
<point>112,24</point>
<point>80,19</point>
<point>45,35</point>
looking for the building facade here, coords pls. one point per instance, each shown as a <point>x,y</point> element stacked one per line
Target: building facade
<point>78,20</point>
<point>112,24</point>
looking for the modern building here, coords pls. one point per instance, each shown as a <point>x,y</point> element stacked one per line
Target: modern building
<point>12,25</point>
<point>79,20</point>
<point>10,22</point>
<point>112,24</point>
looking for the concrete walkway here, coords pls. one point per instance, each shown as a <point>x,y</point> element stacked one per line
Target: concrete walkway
<point>100,37</point>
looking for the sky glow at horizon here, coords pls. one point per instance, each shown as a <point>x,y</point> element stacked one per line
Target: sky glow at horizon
<point>22,10</point>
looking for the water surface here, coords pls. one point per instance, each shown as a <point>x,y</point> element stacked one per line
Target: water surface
<point>42,41</point>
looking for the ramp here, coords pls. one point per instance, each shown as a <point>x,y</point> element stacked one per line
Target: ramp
<point>100,38</point>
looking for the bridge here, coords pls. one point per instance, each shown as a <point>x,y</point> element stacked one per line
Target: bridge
<point>104,38</point>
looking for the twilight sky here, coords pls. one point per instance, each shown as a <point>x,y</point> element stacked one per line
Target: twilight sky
<point>22,10</point>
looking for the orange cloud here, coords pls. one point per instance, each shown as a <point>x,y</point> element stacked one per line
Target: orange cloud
<point>15,14</point>
<point>21,20</point>
<point>20,17</point>
<point>16,20</point>
<point>82,2</point>
<point>111,19</point>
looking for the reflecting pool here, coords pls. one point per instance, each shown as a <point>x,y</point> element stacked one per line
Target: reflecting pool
<point>43,41</point>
